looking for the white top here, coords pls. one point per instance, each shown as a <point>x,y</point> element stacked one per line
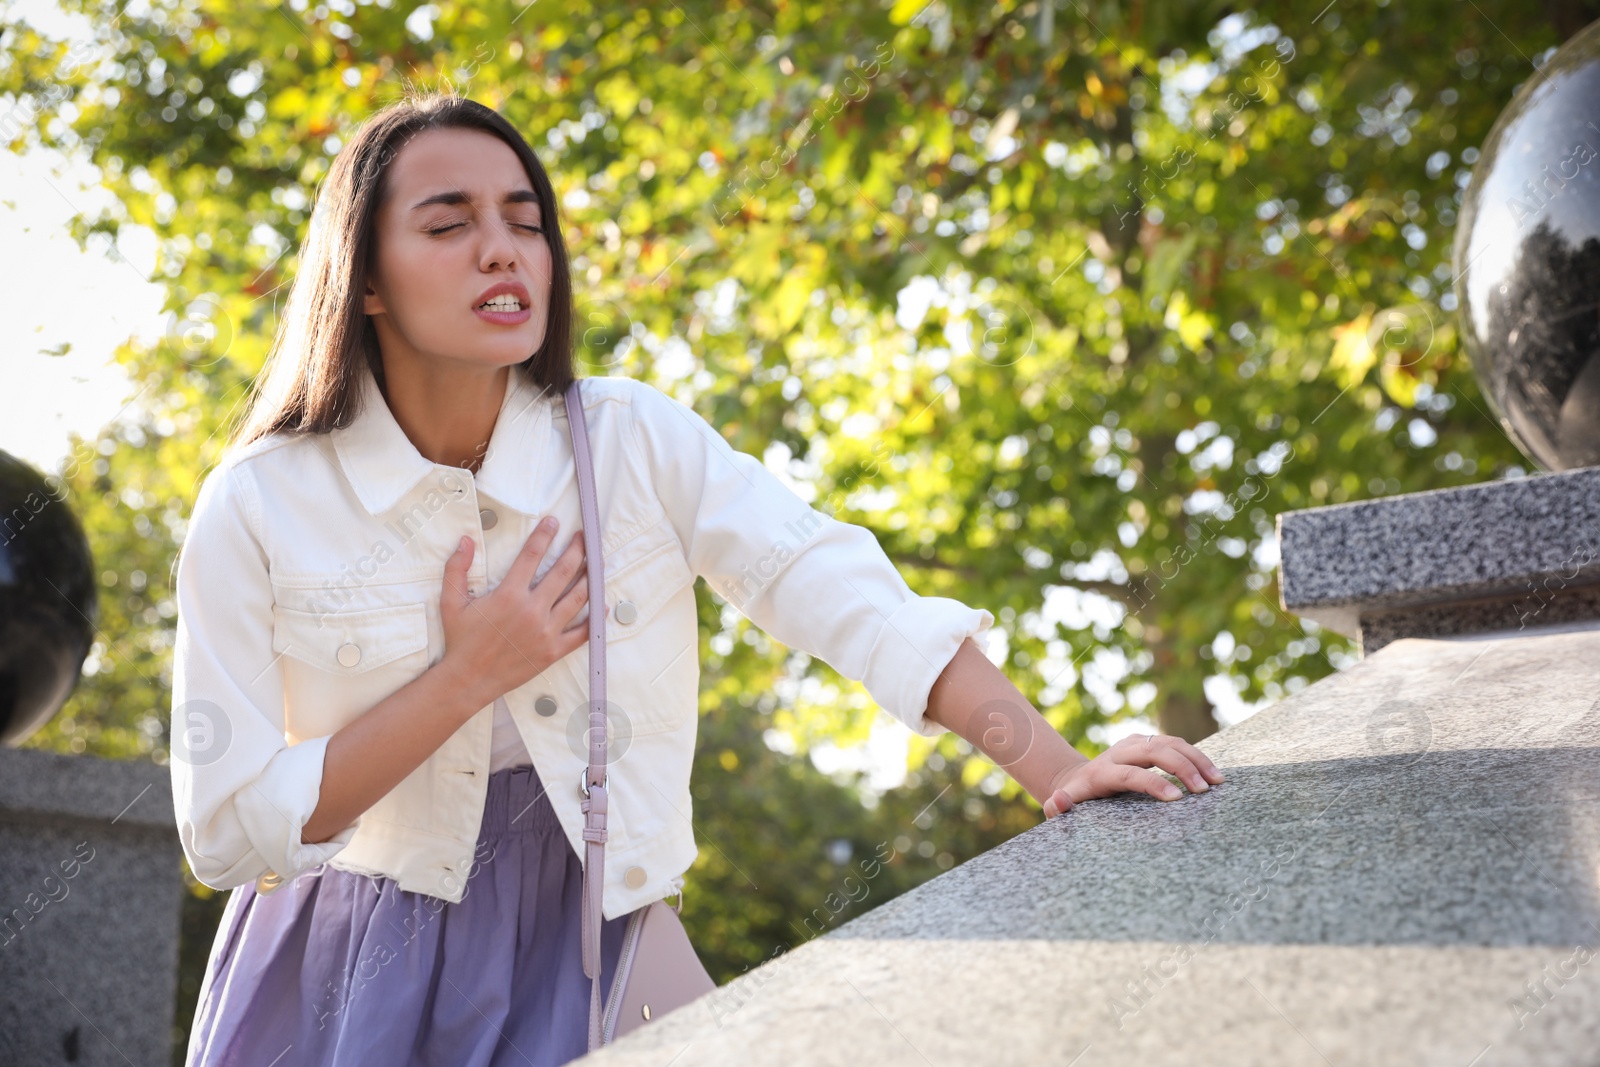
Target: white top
<point>506,748</point>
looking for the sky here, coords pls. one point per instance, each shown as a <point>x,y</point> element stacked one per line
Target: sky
<point>63,312</point>
<point>57,298</point>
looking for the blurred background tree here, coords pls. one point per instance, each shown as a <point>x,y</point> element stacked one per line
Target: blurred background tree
<point>1065,301</point>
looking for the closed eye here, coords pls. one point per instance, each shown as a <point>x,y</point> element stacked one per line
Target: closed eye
<point>446,229</point>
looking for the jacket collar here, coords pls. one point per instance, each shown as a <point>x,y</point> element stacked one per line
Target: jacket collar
<point>383,465</point>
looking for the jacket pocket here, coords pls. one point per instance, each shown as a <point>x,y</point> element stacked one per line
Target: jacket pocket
<point>337,665</point>
<point>652,636</point>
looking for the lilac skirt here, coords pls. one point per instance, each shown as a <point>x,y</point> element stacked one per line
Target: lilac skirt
<point>342,968</point>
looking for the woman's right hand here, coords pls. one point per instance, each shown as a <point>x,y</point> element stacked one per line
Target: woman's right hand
<point>499,641</point>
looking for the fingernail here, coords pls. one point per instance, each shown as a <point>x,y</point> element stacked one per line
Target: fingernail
<point>1172,792</point>
<point>548,522</point>
<point>461,545</point>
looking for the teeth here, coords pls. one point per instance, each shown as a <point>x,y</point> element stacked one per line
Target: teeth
<point>502,303</point>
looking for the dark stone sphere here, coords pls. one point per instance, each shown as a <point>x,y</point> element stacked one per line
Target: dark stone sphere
<point>48,605</point>
<point>1527,260</point>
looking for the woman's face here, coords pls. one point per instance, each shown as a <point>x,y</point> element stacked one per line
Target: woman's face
<point>460,218</point>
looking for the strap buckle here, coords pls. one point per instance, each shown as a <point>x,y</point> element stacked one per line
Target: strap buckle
<point>583,781</point>
<point>677,884</point>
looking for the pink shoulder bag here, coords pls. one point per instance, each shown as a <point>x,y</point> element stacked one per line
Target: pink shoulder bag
<point>658,970</point>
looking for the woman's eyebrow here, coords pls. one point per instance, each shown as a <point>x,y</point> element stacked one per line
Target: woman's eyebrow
<point>456,196</point>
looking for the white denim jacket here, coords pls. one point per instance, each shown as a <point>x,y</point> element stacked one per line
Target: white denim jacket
<point>308,590</point>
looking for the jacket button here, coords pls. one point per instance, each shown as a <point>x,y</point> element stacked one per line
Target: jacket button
<point>545,706</point>
<point>626,612</point>
<point>488,518</point>
<point>349,654</point>
<point>635,877</point>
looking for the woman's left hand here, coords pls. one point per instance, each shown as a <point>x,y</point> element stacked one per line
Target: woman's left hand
<point>1121,769</point>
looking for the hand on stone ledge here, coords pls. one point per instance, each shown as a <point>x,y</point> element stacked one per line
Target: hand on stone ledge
<point>974,699</point>
<point>1121,769</point>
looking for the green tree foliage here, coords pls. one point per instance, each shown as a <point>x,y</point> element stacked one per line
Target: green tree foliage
<point>1064,301</point>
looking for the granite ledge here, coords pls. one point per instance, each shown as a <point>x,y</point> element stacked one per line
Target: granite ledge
<point>1496,540</point>
<point>51,787</point>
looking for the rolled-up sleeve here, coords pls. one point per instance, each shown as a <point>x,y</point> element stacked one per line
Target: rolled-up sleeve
<point>817,584</point>
<point>241,792</point>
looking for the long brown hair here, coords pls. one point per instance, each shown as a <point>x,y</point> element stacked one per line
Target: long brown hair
<point>310,383</point>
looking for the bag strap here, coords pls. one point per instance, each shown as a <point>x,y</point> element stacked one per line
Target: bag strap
<point>594,776</point>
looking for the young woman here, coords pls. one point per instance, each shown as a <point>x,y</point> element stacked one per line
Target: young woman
<point>379,639</point>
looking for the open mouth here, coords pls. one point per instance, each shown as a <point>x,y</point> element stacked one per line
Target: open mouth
<point>504,302</point>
